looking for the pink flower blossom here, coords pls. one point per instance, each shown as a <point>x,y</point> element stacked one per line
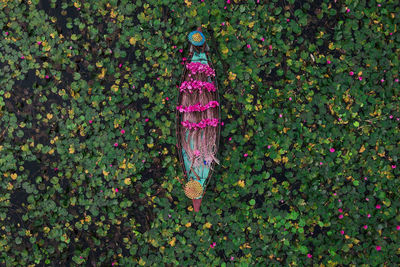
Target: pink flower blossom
<point>202,124</point>
<point>198,85</point>
<point>116,144</point>
<point>120,65</point>
<point>365,178</point>
<point>6,33</point>
<point>391,116</point>
<point>180,50</point>
<point>197,67</point>
<point>379,5</point>
<point>329,62</point>
<point>122,131</point>
<point>369,215</point>
<point>382,80</point>
<point>340,119</point>
<point>39,43</point>
<point>143,160</point>
<point>146,120</point>
<point>22,57</point>
<point>367,199</point>
<point>398,227</point>
<point>287,20</point>
<point>232,258</point>
<point>320,163</point>
<point>230,138</point>
<point>378,206</point>
<point>47,76</point>
<point>360,78</point>
<point>334,194</point>
<point>378,248</point>
<point>396,80</point>
<point>290,98</point>
<point>342,232</point>
<point>262,39</point>
<point>393,166</point>
<point>391,33</point>
<point>270,47</point>
<point>340,210</point>
<point>340,216</point>
<point>116,190</point>
<point>167,98</point>
<point>309,255</point>
<point>248,46</point>
<point>245,155</point>
<point>351,73</point>
<point>90,121</point>
<point>269,146</point>
<point>224,7</point>
<point>332,150</point>
<point>347,10</point>
<point>223,23</point>
<point>365,226</point>
<point>228,1</point>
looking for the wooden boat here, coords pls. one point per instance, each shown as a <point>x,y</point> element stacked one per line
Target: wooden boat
<point>198,120</point>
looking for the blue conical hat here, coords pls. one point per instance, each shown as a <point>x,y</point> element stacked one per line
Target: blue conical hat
<point>196,38</point>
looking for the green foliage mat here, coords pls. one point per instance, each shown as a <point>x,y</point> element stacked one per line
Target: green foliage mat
<point>309,152</point>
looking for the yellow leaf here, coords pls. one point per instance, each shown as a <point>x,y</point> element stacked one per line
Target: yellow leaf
<point>49,116</point>
<point>232,76</point>
<point>99,64</point>
<point>362,149</point>
<point>132,41</point>
<point>188,3</point>
<point>127,181</point>
<point>188,224</point>
<point>225,50</point>
<point>150,145</point>
<point>207,225</point>
<point>172,242</point>
<point>190,208</point>
<point>105,173</point>
<point>241,183</point>
<point>251,24</point>
<point>71,150</point>
<point>14,176</point>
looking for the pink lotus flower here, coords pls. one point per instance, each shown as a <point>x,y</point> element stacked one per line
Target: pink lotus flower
<point>365,226</point>
<point>320,163</point>
<point>262,39</point>
<point>342,232</point>
<point>90,121</point>
<point>146,120</point>
<point>341,216</point>
<point>287,20</point>
<point>245,155</point>
<point>329,62</point>
<point>116,144</point>
<point>398,227</point>
<point>116,190</point>
<point>393,166</point>
<point>122,131</point>
<point>167,98</point>
<point>309,255</point>
<point>332,150</point>
<point>22,57</point>
<point>391,116</point>
<point>360,78</point>
<point>340,210</point>
<point>378,248</point>
<point>351,73</point>
<point>47,76</point>
<point>230,138</point>
<point>347,10</point>
<point>378,206</point>
<point>382,80</point>
<point>6,33</point>
<point>39,43</point>
<point>396,80</point>
<point>248,46</point>
<point>369,215</point>
<point>180,50</point>
<point>120,65</point>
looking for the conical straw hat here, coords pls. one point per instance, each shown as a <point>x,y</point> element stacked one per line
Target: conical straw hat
<point>193,189</point>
